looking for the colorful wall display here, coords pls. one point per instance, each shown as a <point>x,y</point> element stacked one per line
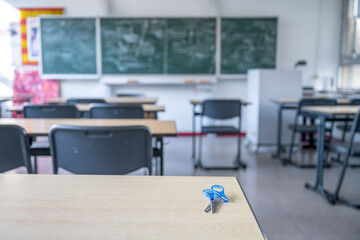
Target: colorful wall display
<point>30,32</point>
<point>29,82</point>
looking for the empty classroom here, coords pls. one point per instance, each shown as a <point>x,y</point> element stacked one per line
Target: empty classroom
<point>191,119</point>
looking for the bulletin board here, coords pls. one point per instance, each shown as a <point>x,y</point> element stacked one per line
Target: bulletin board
<point>30,32</point>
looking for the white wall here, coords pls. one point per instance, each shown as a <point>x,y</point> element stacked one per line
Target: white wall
<point>307,29</point>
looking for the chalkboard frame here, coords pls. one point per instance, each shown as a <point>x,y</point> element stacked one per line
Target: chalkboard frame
<point>164,76</point>
<point>65,76</point>
<point>242,75</point>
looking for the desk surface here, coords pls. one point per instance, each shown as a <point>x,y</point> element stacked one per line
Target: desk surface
<point>125,100</point>
<point>198,102</point>
<point>86,108</point>
<point>295,101</point>
<point>121,207</point>
<point>333,110</point>
<point>42,126</point>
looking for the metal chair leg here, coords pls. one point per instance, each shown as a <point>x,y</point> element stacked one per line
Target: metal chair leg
<point>338,187</point>
<point>199,164</point>
<point>291,149</point>
<point>239,162</point>
<point>35,165</point>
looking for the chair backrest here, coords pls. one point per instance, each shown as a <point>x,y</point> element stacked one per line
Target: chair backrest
<point>51,111</point>
<point>116,111</point>
<point>101,150</point>
<point>355,128</point>
<point>138,95</point>
<point>307,102</point>
<point>221,108</point>
<point>85,100</point>
<point>14,148</point>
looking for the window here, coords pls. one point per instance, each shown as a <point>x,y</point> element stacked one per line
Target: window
<point>349,74</point>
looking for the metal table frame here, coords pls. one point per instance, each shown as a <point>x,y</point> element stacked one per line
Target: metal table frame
<point>318,186</point>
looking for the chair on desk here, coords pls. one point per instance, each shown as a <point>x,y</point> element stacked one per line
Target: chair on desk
<point>221,110</point>
<point>115,111</point>
<point>306,128</point>
<point>14,148</point>
<point>47,111</point>
<point>85,100</point>
<point>347,149</point>
<point>101,150</point>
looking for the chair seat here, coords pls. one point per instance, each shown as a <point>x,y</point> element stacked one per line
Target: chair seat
<point>219,129</point>
<point>344,127</point>
<point>341,147</point>
<point>41,148</point>
<point>304,128</point>
<point>307,128</point>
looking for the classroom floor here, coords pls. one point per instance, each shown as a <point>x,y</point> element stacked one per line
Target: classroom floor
<point>283,207</point>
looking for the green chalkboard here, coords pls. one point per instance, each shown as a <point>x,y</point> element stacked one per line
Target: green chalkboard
<point>191,44</point>
<point>68,45</point>
<point>247,43</point>
<point>132,45</point>
<point>158,45</point>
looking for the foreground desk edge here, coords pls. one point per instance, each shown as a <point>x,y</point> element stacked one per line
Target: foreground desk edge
<point>25,209</point>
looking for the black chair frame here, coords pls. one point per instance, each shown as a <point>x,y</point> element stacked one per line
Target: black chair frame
<point>221,114</point>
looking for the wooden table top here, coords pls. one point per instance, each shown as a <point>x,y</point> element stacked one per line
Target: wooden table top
<point>296,101</point>
<point>124,100</point>
<point>198,102</point>
<point>42,126</point>
<point>121,207</point>
<point>333,110</point>
<point>86,108</point>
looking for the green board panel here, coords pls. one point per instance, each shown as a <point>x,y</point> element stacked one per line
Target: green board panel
<point>191,46</point>
<point>132,45</point>
<point>158,45</point>
<point>247,43</point>
<point>68,45</point>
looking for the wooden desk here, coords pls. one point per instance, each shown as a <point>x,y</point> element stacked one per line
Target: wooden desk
<point>41,127</point>
<point>290,104</point>
<point>121,207</point>
<point>341,101</point>
<point>198,102</point>
<point>332,111</point>
<point>149,109</point>
<point>326,113</point>
<point>123,100</point>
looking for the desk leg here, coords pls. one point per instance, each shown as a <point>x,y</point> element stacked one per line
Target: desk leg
<point>159,140</point>
<point>318,186</point>
<point>278,137</point>
<point>193,155</point>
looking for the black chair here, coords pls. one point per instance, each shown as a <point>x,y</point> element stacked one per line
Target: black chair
<point>50,111</point>
<point>306,128</point>
<point>138,95</point>
<point>346,127</point>
<point>116,111</point>
<point>85,100</point>
<point>14,148</point>
<point>47,111</point>
<point>101,150</point>
<point>221,110</point>
<point>348,149</point>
